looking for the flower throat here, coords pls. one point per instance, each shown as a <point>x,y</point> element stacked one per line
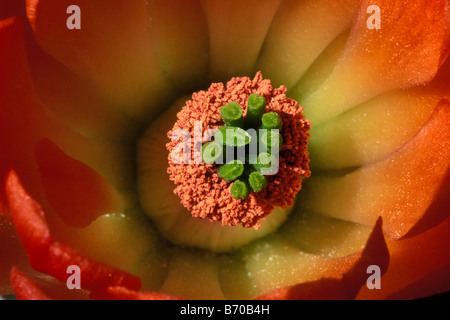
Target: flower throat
<point>256,160</point>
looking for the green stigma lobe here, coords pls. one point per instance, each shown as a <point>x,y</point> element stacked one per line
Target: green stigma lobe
<point>232,115</point>
<point>257,181</point>
<point>232,136</point>
<point>255,109</point>
<point>271,120</point>
<point>272,140</point>
<point>211,152</point>
<point>240,189</point>
<point>265,163</point>
<point>231,170</point>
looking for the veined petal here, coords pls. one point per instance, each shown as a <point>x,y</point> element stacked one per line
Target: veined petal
<point>399,188</point>
<point>299,33</point>
<point>237,30</point>
<point>402,53</point>
<point>112,49</point>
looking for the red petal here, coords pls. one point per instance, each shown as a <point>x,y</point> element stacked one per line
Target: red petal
<point>122,293</point>
<point>28,218</point>
<point>10,8</point>
<point>11,34</point>
<point>338,285</point>
<point>25,288</point>
<point>51,257</point>
<point>94,275</point>
<point>40,287</point>
<point>13,255</point>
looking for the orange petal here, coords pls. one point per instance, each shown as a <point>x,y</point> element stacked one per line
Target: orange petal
<point>420,263</point>
<point>419,267</point>
<point>344,277</point>
<point>299,33</point>
<point>236,31</point>
<point>399,188</point>
<point>437,212</point>
<point>51,257</point>
<point>25,288</point>
<point>374,129</point>
<point>112,50</point>
<point>75,101</point>
<point>180,38</point>
<point>407,50</point>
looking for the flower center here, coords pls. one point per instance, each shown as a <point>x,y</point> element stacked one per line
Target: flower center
<point>256,160</point>
<point>237,154</point>
<point>258,150</point>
